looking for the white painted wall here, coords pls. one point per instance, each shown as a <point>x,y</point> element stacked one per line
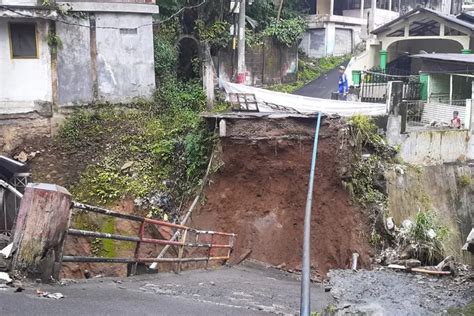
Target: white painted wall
<point>381,16</point>
<point>24,81</point>
<point>20,2</point>
<point>125,62</point>
<point>435,147</point>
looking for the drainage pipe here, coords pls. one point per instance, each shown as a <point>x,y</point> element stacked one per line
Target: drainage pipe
<point>305,302</point>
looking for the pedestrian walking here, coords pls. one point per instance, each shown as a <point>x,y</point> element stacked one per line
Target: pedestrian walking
<point>343,84</point>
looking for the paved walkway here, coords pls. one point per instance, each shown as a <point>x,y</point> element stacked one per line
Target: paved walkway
<point>323,86</point>
<point>241,290</point>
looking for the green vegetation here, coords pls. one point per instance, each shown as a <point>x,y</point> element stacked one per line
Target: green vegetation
<point>138,149</point>
<point>166,56</point>
<point>462,311</point>
<point>464,180</point>
<point>309,70</point>
<point>426,235</point>
<point>217,34</point>
<point>287,32</point>
<point>371,156</point>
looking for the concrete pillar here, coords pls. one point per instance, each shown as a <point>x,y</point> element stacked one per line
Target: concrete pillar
<point>394,97</point>
<point>222,128</point>
<point>331,8</point>
<point>356,76</point>
<point>330,38</point>
<point>373,7</point>
<point>471,124</point>
<point>361,9</point>
<point>450,89</point>
<point>208,76</point>
<point>383,60</point>
<point>42,222</point>
<point>396,124</point>
<point>424,86</point>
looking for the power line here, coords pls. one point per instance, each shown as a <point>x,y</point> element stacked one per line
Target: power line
<point>102,27</point>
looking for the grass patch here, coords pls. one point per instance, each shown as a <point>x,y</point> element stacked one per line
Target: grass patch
<point>464,180</point>
<point>157,147</point>
<point>426,235</point>
<point>462,311</point>
<point>309,70</point>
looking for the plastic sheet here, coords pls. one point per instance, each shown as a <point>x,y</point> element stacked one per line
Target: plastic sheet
<point>267,100</point>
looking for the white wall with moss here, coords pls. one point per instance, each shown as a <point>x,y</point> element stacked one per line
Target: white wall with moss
<point>447,190</point>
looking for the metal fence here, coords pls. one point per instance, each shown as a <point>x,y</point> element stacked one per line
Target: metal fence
<point>217,245</point>
<point>373,87</point>
<point>10,198</point>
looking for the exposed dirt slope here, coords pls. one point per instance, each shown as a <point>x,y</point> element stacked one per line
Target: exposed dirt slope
<point>260,194</point>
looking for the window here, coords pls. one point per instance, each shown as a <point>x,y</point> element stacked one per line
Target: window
<point>23,42</point>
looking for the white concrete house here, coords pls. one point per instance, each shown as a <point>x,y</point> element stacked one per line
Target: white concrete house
<point>74,53</point>
<point>336,27</point>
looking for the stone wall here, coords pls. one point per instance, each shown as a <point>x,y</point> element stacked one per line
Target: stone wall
<point>270,63</point>
<point>444,189</point>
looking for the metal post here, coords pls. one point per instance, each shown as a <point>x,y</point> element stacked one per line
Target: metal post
<point>450,89</point>
<point>305,303</point>
<point>241,69</point>
<point>373,8</point>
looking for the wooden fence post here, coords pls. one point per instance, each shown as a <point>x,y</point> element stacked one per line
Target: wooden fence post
<point>42,222</point>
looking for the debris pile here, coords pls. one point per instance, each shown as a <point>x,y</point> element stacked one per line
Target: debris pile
<point>417,248</point>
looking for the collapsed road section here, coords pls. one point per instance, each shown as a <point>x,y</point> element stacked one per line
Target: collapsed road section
<point>259,192</point>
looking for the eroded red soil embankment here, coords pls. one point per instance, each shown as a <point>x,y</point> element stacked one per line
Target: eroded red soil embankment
<point>260,194</point>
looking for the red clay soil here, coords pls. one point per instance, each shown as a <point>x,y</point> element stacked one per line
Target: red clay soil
<point>260,194</point>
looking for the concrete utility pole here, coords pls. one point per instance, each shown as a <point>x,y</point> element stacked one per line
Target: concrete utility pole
<point>241,70</point>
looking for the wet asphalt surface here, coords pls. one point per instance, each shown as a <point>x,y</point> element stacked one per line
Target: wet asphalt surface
<point>323,86</point>
<point>248,289</point>
<point>242,290</point>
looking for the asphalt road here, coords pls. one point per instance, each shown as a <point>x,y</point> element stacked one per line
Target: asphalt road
<point>323,86</point>
<point>241,290</point>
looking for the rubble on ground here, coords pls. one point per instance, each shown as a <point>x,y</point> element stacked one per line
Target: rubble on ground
<point>56,295</point>
<point>386,292</point>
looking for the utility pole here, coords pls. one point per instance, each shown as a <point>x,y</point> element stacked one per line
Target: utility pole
<point>241,70</point>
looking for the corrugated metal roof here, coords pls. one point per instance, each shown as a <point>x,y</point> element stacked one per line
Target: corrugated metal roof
<point>447,17</point>
<point>459,58</point>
